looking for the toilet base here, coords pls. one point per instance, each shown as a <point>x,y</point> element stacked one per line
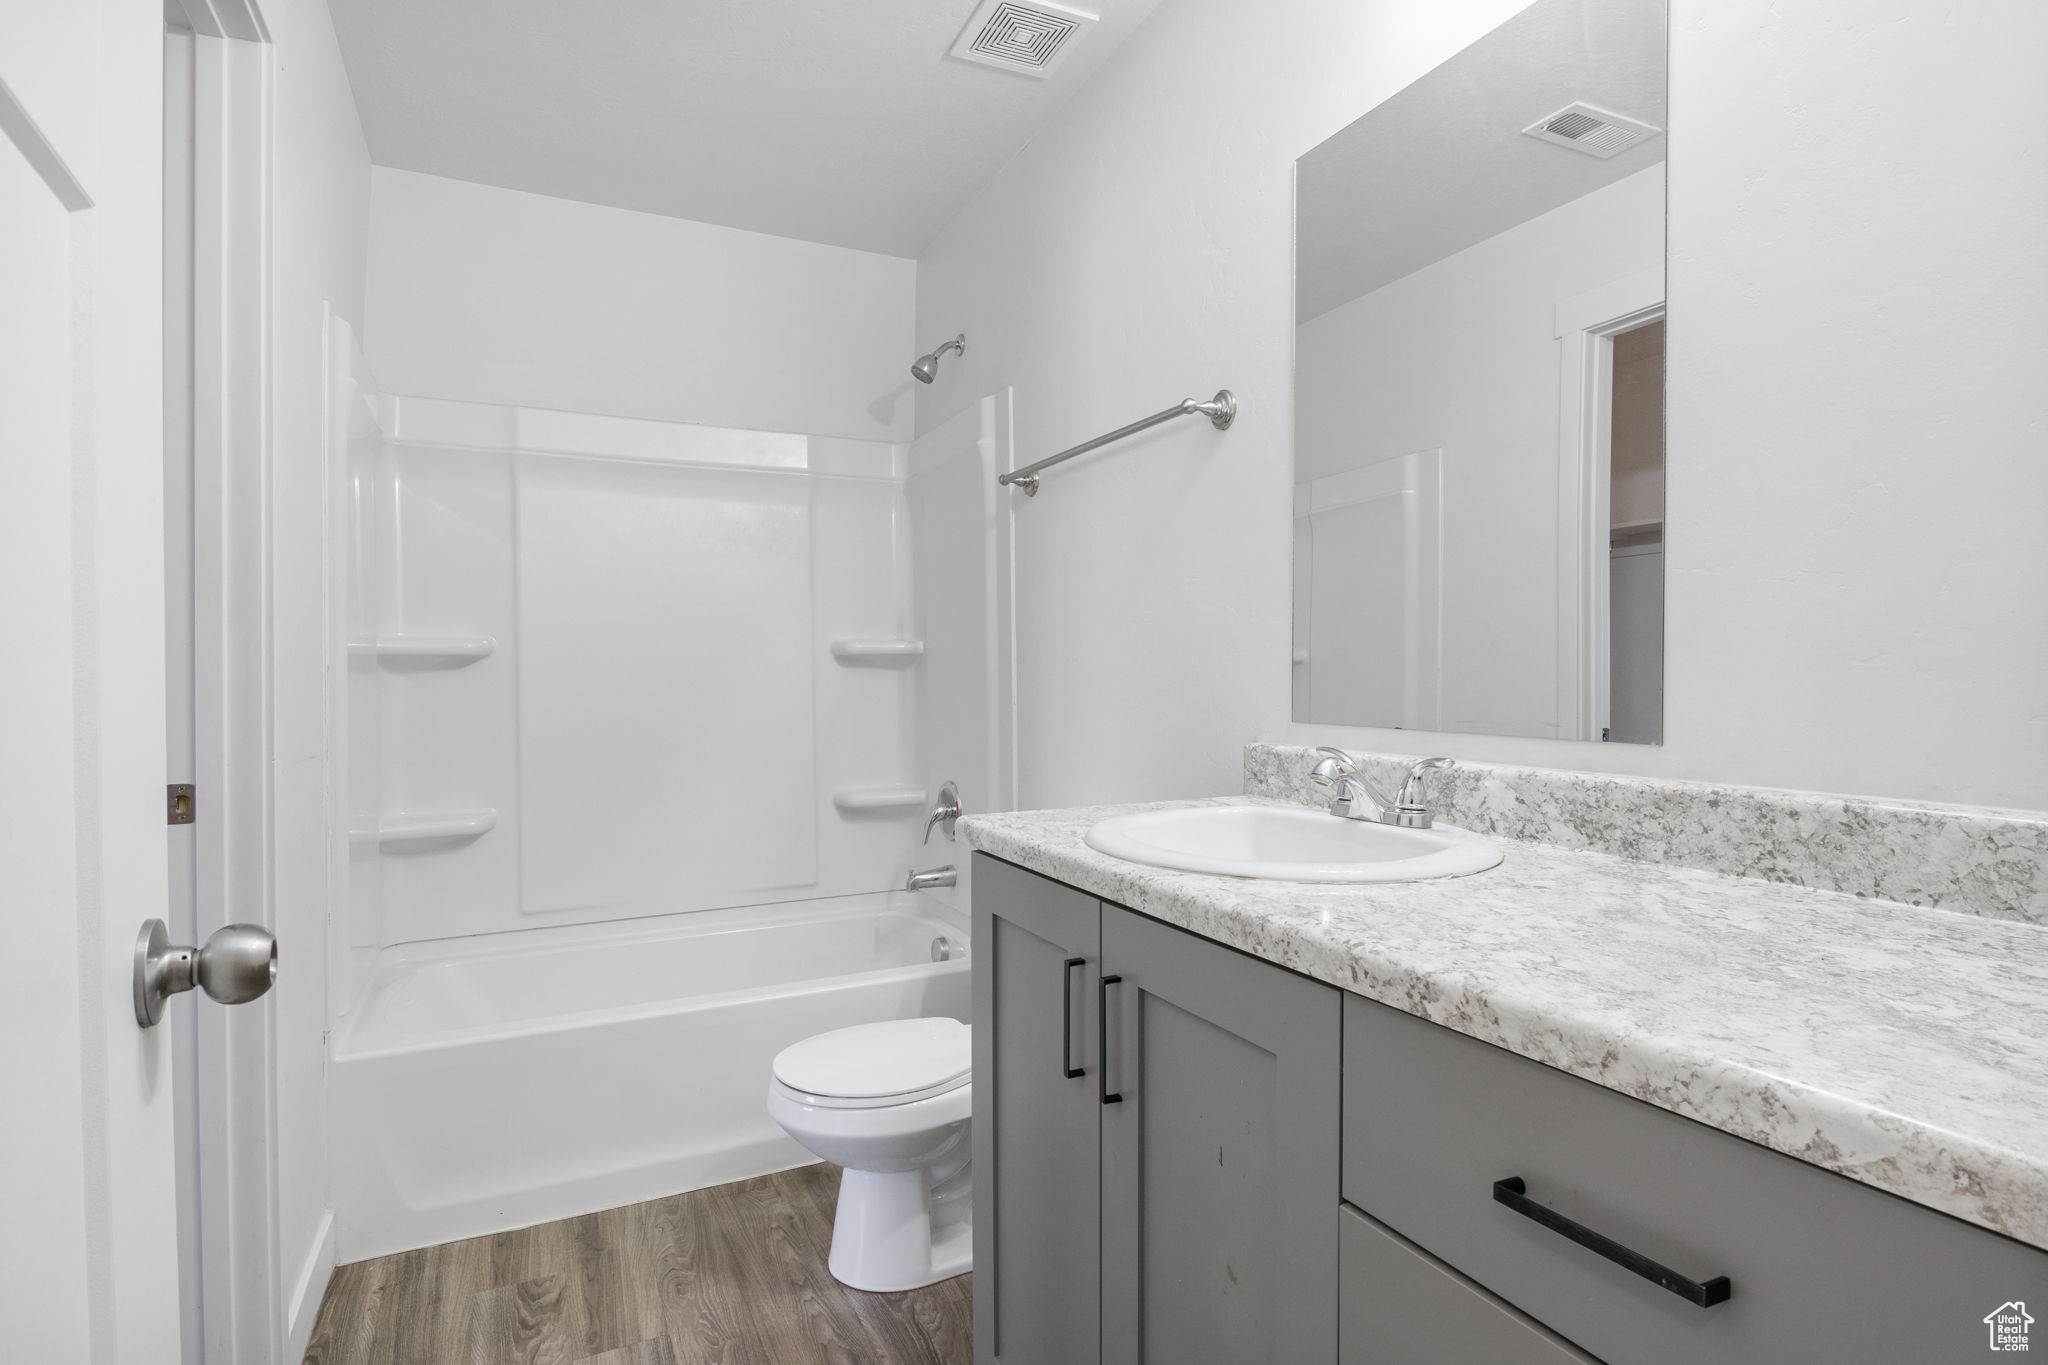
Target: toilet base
<point>895,1231</point>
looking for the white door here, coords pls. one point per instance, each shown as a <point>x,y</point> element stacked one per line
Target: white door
<point>88,1239</point>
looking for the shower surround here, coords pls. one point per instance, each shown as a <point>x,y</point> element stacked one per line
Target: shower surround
<point>643,722</point>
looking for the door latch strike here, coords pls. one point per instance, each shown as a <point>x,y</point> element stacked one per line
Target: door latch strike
<point>180,805</point>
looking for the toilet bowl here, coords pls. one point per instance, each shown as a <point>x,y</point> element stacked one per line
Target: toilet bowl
<point>890,1104</point>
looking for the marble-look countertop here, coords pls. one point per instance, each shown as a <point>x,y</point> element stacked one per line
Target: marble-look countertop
<point>1901,1046</point>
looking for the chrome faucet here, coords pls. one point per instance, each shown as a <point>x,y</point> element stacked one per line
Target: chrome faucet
<point>931,877</point>
<point>945,813</point>
<point>1357,799</point>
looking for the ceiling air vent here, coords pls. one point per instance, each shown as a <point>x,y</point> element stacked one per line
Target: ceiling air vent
<point>1032,38</point>
<point>1595,132</point>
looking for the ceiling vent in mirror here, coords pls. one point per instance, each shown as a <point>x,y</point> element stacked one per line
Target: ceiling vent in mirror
<point>1032,38</point>
<point>1595,132</point>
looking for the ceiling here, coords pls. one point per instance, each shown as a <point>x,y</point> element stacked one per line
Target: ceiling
<point>1443,164</point>
<point>827,120</point>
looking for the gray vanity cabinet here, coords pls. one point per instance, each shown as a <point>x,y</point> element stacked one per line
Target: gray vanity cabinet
<point>1158,1179</point>
<point>1816,1266</point>
<point>1037,1129</point>
<point>1162,1192</point>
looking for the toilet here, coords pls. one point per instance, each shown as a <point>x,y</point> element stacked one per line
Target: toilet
<point>890,1104</point>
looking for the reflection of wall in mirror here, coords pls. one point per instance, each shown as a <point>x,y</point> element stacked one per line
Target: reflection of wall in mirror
<point>1462,355</point>
<point>1368,603</point>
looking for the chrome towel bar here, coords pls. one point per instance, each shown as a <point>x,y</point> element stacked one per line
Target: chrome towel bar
<point>1220,410</point>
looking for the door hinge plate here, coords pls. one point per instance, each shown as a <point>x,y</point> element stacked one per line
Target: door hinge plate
<point>180,804</point>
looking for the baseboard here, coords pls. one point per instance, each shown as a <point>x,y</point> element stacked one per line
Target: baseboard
<point>307,1291</point>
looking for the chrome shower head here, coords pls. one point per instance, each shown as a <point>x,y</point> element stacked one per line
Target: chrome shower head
<point>926,367</point>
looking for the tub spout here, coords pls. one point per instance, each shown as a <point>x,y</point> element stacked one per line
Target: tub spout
<point>931,877</point>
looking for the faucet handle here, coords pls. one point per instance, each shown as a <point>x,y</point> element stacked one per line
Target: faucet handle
<point>945,813</point>
<point>1410,798</point>
<point>1335,763</point>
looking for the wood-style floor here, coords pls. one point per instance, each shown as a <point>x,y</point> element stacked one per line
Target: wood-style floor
<point>733,1275</point>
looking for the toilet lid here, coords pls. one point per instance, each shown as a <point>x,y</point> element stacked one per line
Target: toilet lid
<point>869,1061</point>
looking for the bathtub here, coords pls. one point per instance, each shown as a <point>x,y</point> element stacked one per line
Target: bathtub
<point>494,1082</point>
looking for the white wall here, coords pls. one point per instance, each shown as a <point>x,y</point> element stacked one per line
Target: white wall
<point>1857,336</point>
<point>497,296</point>
<point>1462,356</point>
<point>319,210</point>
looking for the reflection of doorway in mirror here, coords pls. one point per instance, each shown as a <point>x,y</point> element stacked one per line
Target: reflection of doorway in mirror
<point>1368,603</point>
<point>1635,539</point>
<point>1589,327</point>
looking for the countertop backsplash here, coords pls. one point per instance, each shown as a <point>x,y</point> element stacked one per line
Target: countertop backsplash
<point>1971,859</point>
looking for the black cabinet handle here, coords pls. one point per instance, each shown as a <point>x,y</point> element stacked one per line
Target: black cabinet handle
<point>1102,1042</point>
<point>1067,1067</point>
<point>1706,1294</point>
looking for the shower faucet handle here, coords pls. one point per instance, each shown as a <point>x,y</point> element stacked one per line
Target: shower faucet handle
<point>945,813</point>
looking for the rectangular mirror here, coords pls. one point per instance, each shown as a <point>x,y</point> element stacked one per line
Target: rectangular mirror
<point>1479,391</point>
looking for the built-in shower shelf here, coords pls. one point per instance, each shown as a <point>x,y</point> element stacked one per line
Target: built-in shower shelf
<point>451,648</point>
<point>876,651</point>
<point>878,798</point>
<point>418,827</point>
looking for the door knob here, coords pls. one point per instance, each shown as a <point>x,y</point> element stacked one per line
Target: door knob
<point>235,965</point>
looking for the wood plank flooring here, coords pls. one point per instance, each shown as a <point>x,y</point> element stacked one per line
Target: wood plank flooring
<point>733,1275</point>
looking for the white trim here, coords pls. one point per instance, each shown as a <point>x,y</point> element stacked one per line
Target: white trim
<point>303,1309</point>
<point>224,19</point>
<point>1586,326</point>
<point>1001,511</point>
<point>241,1261</point>
<point>179,65</point>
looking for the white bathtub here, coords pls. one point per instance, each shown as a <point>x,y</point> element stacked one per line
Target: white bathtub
<point>495,1082</point>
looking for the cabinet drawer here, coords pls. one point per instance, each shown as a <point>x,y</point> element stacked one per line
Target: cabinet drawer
<point>1820,1268</point>
<point>1402,1307</point>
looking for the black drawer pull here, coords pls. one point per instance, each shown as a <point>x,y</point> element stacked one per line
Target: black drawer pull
<point>1102,1041</point>
<point>1706,1294</point>
<point>1067,1067</point>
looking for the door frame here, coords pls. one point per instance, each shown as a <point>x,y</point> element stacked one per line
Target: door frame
<point>246,1316</point>
<point>1586,327</point>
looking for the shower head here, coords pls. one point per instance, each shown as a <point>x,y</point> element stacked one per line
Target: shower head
<point>926,367</point>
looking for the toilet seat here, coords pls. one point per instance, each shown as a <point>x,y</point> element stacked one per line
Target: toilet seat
<point>873,1066</point>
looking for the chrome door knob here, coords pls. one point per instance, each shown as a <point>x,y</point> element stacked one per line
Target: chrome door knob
<point>237,964</point>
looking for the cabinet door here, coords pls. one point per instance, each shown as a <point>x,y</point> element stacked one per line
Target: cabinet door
<point>1219,1154</point>
<point>1037,1134</point>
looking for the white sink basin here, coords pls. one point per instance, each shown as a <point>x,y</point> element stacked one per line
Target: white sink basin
<point>1290,844</point>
